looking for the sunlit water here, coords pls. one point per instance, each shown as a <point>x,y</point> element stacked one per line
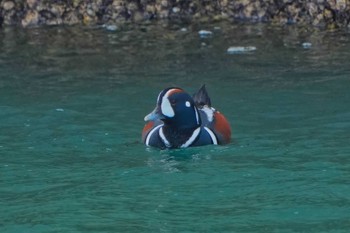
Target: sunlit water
<point>72,102</point>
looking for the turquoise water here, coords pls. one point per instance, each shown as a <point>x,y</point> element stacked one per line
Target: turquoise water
<point>72,102</point>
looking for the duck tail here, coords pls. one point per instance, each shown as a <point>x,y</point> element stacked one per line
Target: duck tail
<point>201,97</point>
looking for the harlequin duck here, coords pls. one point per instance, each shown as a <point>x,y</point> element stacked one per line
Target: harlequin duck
<point>180,121</point>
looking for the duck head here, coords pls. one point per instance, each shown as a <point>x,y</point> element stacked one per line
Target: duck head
<point>176,109</point>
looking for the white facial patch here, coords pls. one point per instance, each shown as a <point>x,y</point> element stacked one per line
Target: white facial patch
<point>166,108</point>
<point>188,104</point>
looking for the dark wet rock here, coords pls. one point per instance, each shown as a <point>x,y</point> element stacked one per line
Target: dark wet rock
<point>69,17</point>
<point>321,13</point>
<point>31,4</point>
<point>9,12</point>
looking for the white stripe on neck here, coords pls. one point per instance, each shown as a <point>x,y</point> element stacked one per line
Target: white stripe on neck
<point>192,138</point>
<point>197,116</point>
<point>212,135</point>
<point>162,136</point>
<point>151,133</point>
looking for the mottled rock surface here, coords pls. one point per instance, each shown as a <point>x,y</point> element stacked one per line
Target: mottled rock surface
<point>323,13</point>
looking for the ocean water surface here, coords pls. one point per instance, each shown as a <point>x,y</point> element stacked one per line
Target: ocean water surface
<point>72,102</point>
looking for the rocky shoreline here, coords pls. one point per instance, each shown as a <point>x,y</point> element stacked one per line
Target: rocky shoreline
<point>31,13</point>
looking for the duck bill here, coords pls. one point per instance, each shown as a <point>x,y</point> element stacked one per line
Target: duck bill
<point>154,115</point>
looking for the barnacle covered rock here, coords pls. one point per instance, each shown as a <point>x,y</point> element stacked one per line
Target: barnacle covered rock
<point>324,13</point>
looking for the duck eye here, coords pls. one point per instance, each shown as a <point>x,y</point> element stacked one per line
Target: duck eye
<point>173,102</point>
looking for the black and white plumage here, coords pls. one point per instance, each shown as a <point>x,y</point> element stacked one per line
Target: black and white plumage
<point>180,120</point>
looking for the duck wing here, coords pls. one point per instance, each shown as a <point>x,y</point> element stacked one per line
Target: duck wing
<point>201,97</point>
<point>211,118</point>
